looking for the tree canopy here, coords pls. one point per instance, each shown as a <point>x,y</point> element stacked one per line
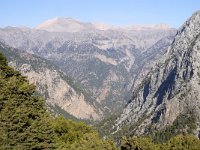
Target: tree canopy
<point>25,123</point>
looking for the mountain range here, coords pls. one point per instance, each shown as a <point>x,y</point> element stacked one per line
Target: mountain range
<point>107,61</point>
<point>139,80</point>
<point>166,102</point>
<point>60,91</point>
<point>71,25</point>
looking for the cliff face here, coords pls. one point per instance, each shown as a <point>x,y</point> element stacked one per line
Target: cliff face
<point>59,90</point>
<point>171,88</point>
<point>107,62</point>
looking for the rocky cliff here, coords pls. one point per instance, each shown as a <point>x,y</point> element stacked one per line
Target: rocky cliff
<point>61,93</point>
<point>170,90</point>
<point>107,62</point>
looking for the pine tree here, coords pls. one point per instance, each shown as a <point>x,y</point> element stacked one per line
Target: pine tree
<point>24,123</point>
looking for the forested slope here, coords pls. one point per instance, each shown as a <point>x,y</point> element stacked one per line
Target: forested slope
<point>25,123</point>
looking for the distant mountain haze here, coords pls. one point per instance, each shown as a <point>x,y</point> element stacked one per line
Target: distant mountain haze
<point>108,61</point>
<point>71,25</point>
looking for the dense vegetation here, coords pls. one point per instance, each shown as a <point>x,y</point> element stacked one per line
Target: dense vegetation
<point>178,136</point>
<point>73,135</point>
<point>25,124</point>
<point>179,142</point>
<point>183,124</point>
<point>38,64</point>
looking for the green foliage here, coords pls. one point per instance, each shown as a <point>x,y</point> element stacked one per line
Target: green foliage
<point>135,143</point>
<point>38,64</point>
<point>25,124</point>
<point>179,142</point>
<point>77,135</point>
<point>2,60</point>
<point>184,124</point>
<point>104,126</point>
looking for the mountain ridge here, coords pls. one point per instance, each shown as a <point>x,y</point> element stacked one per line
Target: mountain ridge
<point>104,62</point>
<point>170,89</point>
<point>61,24</point>
<point>57,89</point>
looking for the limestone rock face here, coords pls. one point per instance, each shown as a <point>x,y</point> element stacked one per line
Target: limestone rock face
<point>108,61</point>
<point>171,88</point>
<point>59,90</point>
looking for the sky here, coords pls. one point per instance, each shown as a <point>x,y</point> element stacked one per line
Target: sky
<point>30,13</point>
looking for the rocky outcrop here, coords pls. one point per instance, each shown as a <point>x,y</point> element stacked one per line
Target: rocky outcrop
<point>171,88</point>
<point>92,56</point>
<point>58,90</point>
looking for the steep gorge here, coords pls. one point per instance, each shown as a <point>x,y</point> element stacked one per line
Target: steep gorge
<point>106,62</point>
<point>60,92</point>
<point>170,90</point>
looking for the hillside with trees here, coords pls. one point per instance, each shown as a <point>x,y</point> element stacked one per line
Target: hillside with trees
<point>25,123</point>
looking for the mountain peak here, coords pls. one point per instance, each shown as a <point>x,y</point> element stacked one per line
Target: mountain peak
<point>187,33</point>
<point>60,24</point>
<point>170,89</point>
<point>64,19</point>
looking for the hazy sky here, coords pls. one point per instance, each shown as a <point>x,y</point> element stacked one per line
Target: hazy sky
<point>117,12</point>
